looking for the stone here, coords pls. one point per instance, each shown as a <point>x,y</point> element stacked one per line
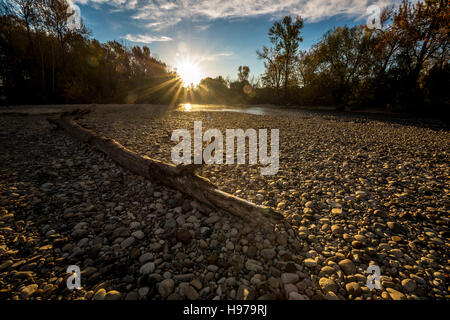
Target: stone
<point>135,253</point>
<point>409,285</point>
<point>165,287</point>
<point>353,288</point>
<point>361,194</point>
<point>297,296</point>
<point>273,282</point>
<point>184,236</point>
<point>328,284</point>
<point>184,277</point>
<point>28,291</point>
<point>147,268</point>
<point>281,205</point>
<point>112,295</point>
<point>311,263</point>
<point>100,294</point>
<point>288,288</point>
<point>336,211</point>
<point>6,265</point>
<point>138,234</point>
<point>307,211</point>
<point>212,220</point>
<point>245,293</point>
<point>191,293</point>
<point>146,257</point>
<point>268,254</point>
<point>395,227</point>
<point>197,284</point>
<point>253,265</point>
<point>331,296</point>
<point>309,204</point>
<point>127,242</point>
<point>229,245</point>
<point>289,278</point>
<point>395,295</point>
<point>347,266</point>
<point>357,244</point>
<point>143,291</point>
<point>327,271</point>
<point>133,295</point>
<point>337,230</point>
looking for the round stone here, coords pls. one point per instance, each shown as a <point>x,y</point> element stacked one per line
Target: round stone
<point>166,287</point>
<point>409,285</point>
<point>147,268</point>
<point>347,266</point>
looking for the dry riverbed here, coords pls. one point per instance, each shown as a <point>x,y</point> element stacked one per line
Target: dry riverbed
<point>354,192</point>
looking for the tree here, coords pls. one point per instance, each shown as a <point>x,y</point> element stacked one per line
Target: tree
<point>423,29</point>
<point>274,68</point>
<point>285,36</point>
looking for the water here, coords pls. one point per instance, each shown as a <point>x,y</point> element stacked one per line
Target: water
<point>259,111</point>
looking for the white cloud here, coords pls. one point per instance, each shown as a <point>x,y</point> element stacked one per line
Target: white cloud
<point>213,56</point>
<point>163,13</point>
<point>142,38</point>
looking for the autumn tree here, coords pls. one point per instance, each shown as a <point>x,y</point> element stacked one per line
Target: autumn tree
<point>273,63</point>
<point>424,29</point>
<point>285,36</point>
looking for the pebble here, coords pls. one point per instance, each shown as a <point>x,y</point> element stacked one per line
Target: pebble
<point>100,294</point>
<point>191,293</point>
<point>268,254</point>
<point>395,295</point>
<point>347,266</point>
<point>310,263</point>
<point>245,293</point>
<point>289,278</point>
<point>147,268</point>
<point>112,295</point>
<point>138,234</point>
<point>328,285</point>
<point>353,288</point>
<point>165,287</point>
<point>409,285</point>
<point>28,291</point>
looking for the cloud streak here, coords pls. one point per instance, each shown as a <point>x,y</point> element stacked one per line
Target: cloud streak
<point>142,38</point>
<point>214,56</point>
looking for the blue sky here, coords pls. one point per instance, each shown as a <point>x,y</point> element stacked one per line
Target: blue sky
<point>218,35</point>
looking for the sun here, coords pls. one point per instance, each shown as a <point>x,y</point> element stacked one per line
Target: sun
<point>189,73</point>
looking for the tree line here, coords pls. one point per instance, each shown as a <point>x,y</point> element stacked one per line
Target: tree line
<point>47,59</point>
<point>399,62</point>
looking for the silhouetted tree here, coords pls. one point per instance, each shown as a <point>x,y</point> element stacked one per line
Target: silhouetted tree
<point>285,36</point>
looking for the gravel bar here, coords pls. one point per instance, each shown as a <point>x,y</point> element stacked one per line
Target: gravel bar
<point>354,191</point>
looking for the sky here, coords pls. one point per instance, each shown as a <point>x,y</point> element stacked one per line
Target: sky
<point>217,35</point>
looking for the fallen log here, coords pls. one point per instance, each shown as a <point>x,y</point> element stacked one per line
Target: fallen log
<point>181,177</point>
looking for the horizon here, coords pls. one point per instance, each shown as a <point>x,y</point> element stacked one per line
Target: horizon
<point>217,43</point>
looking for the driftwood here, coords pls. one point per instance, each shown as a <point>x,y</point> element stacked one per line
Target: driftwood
<point>181,177</point>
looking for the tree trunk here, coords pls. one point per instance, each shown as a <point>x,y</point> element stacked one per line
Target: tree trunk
<point>182,177</point>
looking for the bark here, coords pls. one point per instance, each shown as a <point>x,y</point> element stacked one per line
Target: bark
<point>181,177</point>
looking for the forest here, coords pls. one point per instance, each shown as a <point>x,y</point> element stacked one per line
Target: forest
<point>399,63</point>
